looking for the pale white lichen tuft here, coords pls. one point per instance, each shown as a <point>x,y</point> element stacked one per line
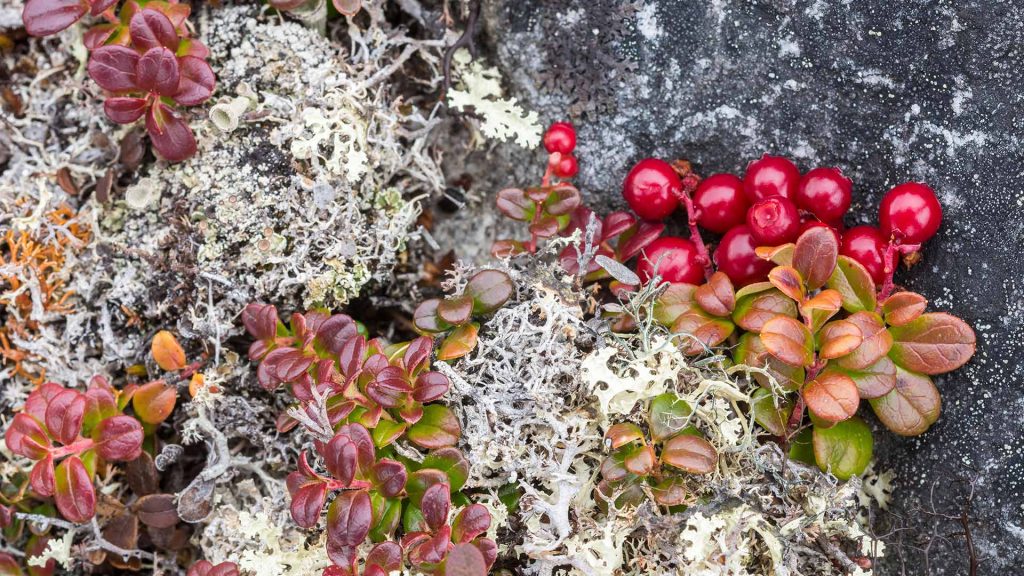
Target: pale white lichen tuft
<point>480,91</point>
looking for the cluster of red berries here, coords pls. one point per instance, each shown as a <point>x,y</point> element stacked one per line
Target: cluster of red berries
<point>771,205</point>
<point>560,141</point>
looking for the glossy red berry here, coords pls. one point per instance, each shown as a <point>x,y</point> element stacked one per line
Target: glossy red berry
<point>773,221</point>
<point>736,257</point>
<point>652,189</point>
<point>866,245</point>
<point>565,166</point>
<point>720,202</point>
<point>910,212</point>
<point>770,176</point>
<point>808,224</point>
<point>675,259</point>
<point>561,138</point>
<point>826,193</point>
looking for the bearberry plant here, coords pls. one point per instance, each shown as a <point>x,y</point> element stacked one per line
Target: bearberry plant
<point>144,57</point>
<point>358,398</point>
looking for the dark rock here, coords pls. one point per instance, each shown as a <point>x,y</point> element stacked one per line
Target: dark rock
<point>889,92</point>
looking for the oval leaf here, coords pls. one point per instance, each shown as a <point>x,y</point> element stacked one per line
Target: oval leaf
<point>348,522</point>
<point>74,494</point>
<point>875,380</point>
<point>166,351</point>
<point>437,428</point>
<point>456,310</point>
<point>772,418</point>
<point>703,330</point>
<point>196,83</point>
<point>903,307</point>
<point>673,302</point>
<point>46,17</point>
<point>157,71</point>
<point>788,281</point>
<point>489,289</point>
<point>154,402</point>
<point>717,297</point>
<point>814,256</point>
<point>623,433</point>
<point>933,343</point>
<point>668,415</point>
<point>118,439</point>
<point>64,415</point>
<point>854,285</point>
<point>691,454</point>
<point>839,338</point>
<point>157,510</point>
<point>471,521</point>
<point>844,449</point>
<point>459,342</point>
<point>875,341</point>
<point>832,397</point>
<point>821,307</point>
<point>452,463</point>
<point>911,407</point>
<point>426,319</point>
<point>788,340</point>
<point>753,311</point>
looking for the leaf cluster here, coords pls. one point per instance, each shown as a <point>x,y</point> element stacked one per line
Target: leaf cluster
<point>457,316</point>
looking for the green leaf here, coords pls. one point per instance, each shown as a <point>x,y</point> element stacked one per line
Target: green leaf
<point>875,341</point>
<point>670,491</point>
<point>844,449</point>
<point>814,256</point>
<point>911,407</point>
<point>437,428</point>
<point>667,416</point>
<point>489,289</point>
<point>801,447</point>
<point>388,513</point>
<point>452,462</point>
<point>426,320</point>
<point>788,340</point>
<point>854,285</point>
<point>673,303</point>
<point>771,418</point>
<point>933,343</point>
<point>420,480</point>
<point>754,310</point>
<point>706,331</point>
<point>387,431</point>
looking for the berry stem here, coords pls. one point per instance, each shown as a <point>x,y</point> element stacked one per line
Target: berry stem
<point>77,447</point>
<point>690,182</point>
<point>889,262</point>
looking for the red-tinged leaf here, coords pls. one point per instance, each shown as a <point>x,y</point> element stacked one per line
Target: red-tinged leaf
<point>46,17</point>
<point>125,109</point>
<point>347,7</point>
<point>788,281</point>
<point>348,522</point>
<point>417,355</point>
<point>118,439</point>
<point>435,504</point>
<point>64,415</point>
<point>98,35</point>
<point>839,338</point>
<point>772,418</point>
<point>933,343</point>
<point>788,340</point>
<point>903,307</point>
<point>452,463</point>
<point>431,551</point>
<point>100,6</point>
<point>151,29</point>
<point>166,351</point>
<point>854,285</point>
<point>456,310</point>
<point>676,300</point>
<point>114,68</point>
<point>390,388</point>
<point>260,320</point>
<point>691,454</point>
<point>154,402</point>
<point>287,364</point>
<point>814,256</point>
<point>307,502</point>
<point>754,310</point>
<point>614,224</point>
<point>430,386</point>
<point>489,289</point>
<point>335,332</point>
<point>876,341</point>
<point>563,199</point>
<point>39,399</point>
<point>507,248</point>
<point>717,297</point>
<point>26,436</point>
<point>74,494</point>
<point>389,477</point>
<point>668,415</point>
<point>386,555</point>
<point>623,433</point>
<point>158,71</point>
<point>844,449</point>
<point>751,352</point>
<point>781,255</point>
<point>157,511</point>
<point>821,307</point>
<point>422,479</point>
<point>197,81</point>
<point>170,134</point>
<point>875,380</point>
<point>9,566</point>
<point>638,460</point>
<point>206,568</point>
<point>459,342</point>
<point>514,203</point>
<point>470,522</point>
<point>43,478</point>
<point>426,319</point>
<point>832,397</point>
<point>701,330</point>
<point>488,548</point>
<point>349,453</point>
<point>670,491</point>
<point>437,428</point>
<point>911,407</point>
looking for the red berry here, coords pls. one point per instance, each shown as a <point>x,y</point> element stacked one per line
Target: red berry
<point>675,258</point>
<point>808,224</point>
<point>826,193</point>
<point>736,257</point>
<point>560,137</point>
<point>770,176</point>
<point>866,245</point>
<point>566,166</point>
<point>652,189</point>
<point>773,221</point>
<point>910,212</point>
<point>720,202</point>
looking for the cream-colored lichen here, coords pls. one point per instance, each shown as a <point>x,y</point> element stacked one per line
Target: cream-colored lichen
<point>502,118</point>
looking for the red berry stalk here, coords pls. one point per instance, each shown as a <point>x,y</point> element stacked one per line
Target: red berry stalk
<point>690,180</point>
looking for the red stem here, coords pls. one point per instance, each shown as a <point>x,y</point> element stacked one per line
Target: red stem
<point>889,262</point>
<point>691,220</point>
<point>76,447</point>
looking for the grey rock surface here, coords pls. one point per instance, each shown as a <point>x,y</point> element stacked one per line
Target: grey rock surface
<point>889,92</point>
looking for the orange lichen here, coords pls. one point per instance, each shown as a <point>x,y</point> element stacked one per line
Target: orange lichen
<point>28,259</point>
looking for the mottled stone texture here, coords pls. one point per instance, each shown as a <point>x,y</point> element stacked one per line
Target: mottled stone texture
<point>889,91</point>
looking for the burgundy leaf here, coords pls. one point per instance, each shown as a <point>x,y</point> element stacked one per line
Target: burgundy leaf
<point>39,399</point>
<point>206,568</point>
<point>389,477</point>
<point>260,320</point>
<point>430,386</point>
<point>171,136</point>
<point>157,510</point>
<point>43,478</point>
<point>125,109</point>
<point>335,331</point>
<point>488,548</point>
<point>432,550</point>
<point>631,243</point>
<point>348,522</point>
<point>118,439</point>
<point>340,458</point>
<point>45,17</point>
<point>64,416</point>
<point>418,353</point>
<point>287,364</point>
<point>74,494</point>
<point>386,555</point>
<point>100,6</point>
<point>389,388</point>
<point>26,436</point>
<point>98,35</point>
<point>157,71</point>
<point>435,505</point>
<point>307,502</point>
<point>470,522</point>
<point>350,358</point>
<point>114,68</point>
<point>151,29</point>
<point>616,223</point>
